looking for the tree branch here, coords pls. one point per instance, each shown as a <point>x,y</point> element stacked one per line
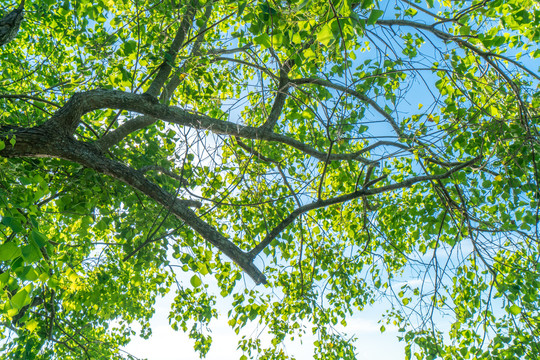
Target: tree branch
<point>354,93</point>
<point>10,24</point>
<point>348,197</point>
<point>279,101</point>
<point>166,67</point>
<point>195,50</point>
<point>448,37</point>
<point>82,103</point>
<point>114,137</point>
<point>48,141</point>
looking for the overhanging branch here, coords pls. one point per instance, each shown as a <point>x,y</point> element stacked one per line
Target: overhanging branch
<point>82,103</point>
<point>47,141</point>
<point>348,197</point>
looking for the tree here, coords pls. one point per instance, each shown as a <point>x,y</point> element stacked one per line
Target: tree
<point>334,152</point>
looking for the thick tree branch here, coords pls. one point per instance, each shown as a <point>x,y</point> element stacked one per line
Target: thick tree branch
<point>166,67</point>
<point>82,103</point>
<point>279,102</point>
<point>176,79</point>
<point>47,141</point>
<point>10,24</point>
<point>114,137</point>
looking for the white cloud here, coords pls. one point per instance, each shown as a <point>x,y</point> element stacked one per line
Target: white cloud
<point>166,344</point>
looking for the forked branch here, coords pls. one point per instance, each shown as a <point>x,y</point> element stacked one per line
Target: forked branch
<point>351,196</point>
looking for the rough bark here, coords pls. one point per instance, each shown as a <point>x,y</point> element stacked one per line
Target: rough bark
<point>53,139</point>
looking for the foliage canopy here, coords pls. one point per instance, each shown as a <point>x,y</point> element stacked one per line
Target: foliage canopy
<point>304,157</point>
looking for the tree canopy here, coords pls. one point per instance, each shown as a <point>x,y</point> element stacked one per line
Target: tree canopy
<point>304,158</point>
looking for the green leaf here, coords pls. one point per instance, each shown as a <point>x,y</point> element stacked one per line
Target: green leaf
<point>20,299</point>
<point>13,223</point>
<point>130,47</point>
<point>40,239</point>
<point>268,9</point>
<point>9,251</point>
<point>411,12</point>
<point>325,34</point>
<point>241,8</point>
<point>195,281</point>
<point>4,278</point>
<point>31,325</point>
<point>514,309</point>
<point>29,274</point>
<point>464,30</point>
<point>406,301</point>
<point>263,40</point>
<point>203,269</point>
<point>2,145</point>
<point>374,16</point>
<point>301,5</point>
<point>31,253</point>
<point>366,4</point>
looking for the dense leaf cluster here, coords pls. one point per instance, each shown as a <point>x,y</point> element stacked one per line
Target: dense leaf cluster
<point>303,158</point>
